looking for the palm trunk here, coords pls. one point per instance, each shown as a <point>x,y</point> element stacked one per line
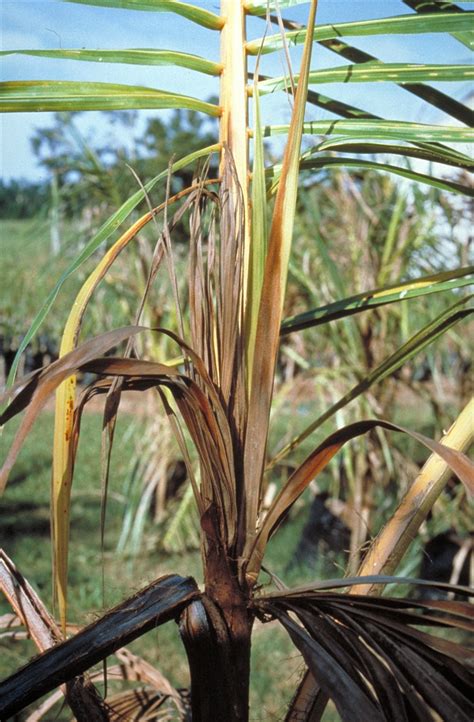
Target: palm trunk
<point>216,629</point>
<point>216,633</point>
<point>218,651</point>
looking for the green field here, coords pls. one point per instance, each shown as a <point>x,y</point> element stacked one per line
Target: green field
<point>24,535</point>
<point>28,274</point>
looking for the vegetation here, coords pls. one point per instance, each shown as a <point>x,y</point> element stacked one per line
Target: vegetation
<point>217,360</point>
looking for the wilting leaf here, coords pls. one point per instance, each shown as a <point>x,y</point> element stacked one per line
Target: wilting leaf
<point>156,604</point>
<point>35,389</point>
<point>319,459</point>
<point>80,694</point>
<point>272,297</point>
<point>104,232</point>
<point>369,650</point>
<point>422,338</point>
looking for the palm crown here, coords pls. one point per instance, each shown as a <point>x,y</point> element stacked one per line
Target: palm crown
<point>360,650</point>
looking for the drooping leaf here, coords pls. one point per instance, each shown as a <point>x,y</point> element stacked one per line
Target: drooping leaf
<point>318,459</point>
<point>380,130</point>
<point>104,232</point>
<point>158,603</point>
<point>388,548</point>
<point>425,336</point>
<point>198,15</point>
<point>325,585</point>
<point>372,649</point>
<point>335,679</point>
<point>203,414</point>
<point>379,297</point>
<point>272,297</point>
<point>33,391</point>
<point>320,162</point>
<point>386,551</point>
<point>81,695</point>
<point>63,461</point>
<point>62,466</point>
<point>64,95</point>
<point>132,56</point>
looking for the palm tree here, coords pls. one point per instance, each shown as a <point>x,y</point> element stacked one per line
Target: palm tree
<point>363,652</point>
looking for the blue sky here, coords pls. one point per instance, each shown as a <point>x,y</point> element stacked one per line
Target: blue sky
<point>45,24</point>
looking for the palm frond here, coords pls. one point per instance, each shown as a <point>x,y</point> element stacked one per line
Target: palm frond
<point>102,235</point>
<point>156,604</point>
<point>198,15</point>
<point>64,95</point>
<point>131,56</point>
<point>368,656</point>
<point>397,25</point>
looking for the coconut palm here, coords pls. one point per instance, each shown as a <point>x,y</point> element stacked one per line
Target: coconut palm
<point>364,652</point>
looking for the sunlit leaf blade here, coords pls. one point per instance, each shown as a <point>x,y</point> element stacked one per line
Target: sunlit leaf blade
<point>62,466</point>
<point>191,12</point>
<point>392,363</point>
<point>415,288</point>
<point>320,162</point>
<point>132,56</point>
<point>431,95</point>
<point>378,72</point>
<point>258,248</point>
<point>272,298</point>
<point>381,130</point>
<point>257,7</point>
<point>432,153</point>
<point>47,95</point>
<point>397,25</point>
<point>104,232</point>
<point>318,459</point>
<point>425,6</point>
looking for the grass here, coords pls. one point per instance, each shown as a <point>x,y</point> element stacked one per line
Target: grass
<point>24,534</point>
<point>29,272</point>
<point>24,514</point>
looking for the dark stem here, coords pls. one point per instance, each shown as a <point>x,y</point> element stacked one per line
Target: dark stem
<point>218,650</point>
